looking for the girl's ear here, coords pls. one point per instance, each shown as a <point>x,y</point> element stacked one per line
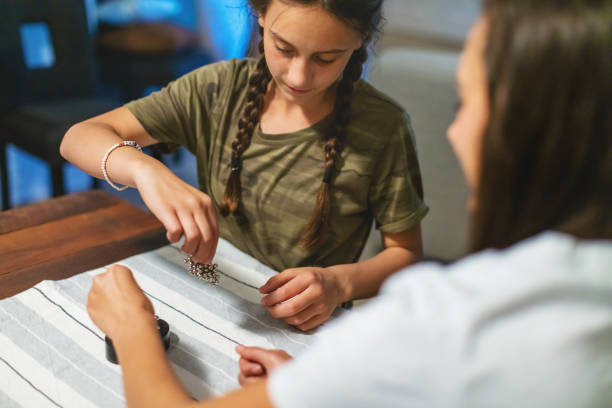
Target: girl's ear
<point>260,19</point>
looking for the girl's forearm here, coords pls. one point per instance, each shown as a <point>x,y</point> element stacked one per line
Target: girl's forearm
<point>364,279</point>
<point>85,144</point>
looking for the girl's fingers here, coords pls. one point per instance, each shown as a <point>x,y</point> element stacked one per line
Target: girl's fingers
<point>191,232</point>
<point>172,224</point>
<point>289,290</point>
<point>294,306</point>
<point>313,322</point>
<point>303,316</point>
<point>208,209</point>
<point>214,226</point>
<point>277,281</point>
<point>206,220</point>
<point>206,245</point>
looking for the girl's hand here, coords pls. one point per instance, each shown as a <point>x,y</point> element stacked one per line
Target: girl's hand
<point>116,304</point>
<point>181,208</point>
<point>256,363</point>
<point>303,297</point>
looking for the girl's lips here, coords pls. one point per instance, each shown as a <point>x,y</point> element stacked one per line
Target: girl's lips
<point>297,91</point>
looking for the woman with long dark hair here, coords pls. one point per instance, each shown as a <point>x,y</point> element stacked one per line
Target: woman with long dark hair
<point>296,154</point>
<point>526,319</point>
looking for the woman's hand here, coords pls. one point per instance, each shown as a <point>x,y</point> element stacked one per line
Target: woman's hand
<point>303,297</point>
<point>181,208</point>
<point>116,304</point>
<point>256,363</point>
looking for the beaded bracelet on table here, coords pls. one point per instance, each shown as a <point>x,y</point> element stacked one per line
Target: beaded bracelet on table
<point>207,272</point>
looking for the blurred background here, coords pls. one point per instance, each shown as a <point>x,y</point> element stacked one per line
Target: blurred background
<point>134,47</point>
<point>62,61</point>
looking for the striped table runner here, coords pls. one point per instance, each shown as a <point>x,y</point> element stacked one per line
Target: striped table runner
<point>52,355</point>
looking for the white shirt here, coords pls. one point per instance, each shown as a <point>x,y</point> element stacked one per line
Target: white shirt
<point>530,326</point>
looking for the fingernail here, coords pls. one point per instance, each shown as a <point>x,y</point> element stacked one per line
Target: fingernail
<point>239,348</point>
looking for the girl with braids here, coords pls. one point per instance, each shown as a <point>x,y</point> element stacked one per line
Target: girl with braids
<point>296,157</point>
<point>524,321</point>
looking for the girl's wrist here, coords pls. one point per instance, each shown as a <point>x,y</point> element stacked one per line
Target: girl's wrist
<point>142,168</point>
<point>343,282</point>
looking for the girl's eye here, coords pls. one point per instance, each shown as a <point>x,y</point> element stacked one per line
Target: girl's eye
<point>283,50</point>
<point>324,61</point>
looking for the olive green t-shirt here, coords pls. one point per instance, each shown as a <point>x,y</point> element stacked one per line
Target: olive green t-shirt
<point>378,174</point>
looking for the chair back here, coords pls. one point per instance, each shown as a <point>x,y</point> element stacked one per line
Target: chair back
<point>71,74</point>
<point>423,82</point>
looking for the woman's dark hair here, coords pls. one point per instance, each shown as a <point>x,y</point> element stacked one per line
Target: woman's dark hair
<point>364,16</point>
<point>547,150</point>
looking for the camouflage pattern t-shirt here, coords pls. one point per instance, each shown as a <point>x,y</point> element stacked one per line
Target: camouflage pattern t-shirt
<point>378,176</point>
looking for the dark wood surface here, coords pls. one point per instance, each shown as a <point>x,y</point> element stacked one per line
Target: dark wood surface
<point>58,238</point>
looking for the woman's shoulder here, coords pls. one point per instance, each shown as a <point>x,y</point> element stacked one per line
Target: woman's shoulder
<point>543,304</point>
<point>548,253</point>
<point>543,261</point>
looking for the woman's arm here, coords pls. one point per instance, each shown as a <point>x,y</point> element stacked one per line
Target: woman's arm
<point>306,297</point>
<point>149,381</point>
<point>183,209</point>
<point>118,306</point>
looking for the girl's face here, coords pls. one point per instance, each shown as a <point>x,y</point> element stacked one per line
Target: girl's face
<point>466,132</point>
<point>306,48</point>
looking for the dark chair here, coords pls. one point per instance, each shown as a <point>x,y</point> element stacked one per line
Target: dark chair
<point>139,55</point>
<point>136,56</point>
<point>38,105</point>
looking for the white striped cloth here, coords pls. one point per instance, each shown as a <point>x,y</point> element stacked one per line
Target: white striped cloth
<point>52,355</point>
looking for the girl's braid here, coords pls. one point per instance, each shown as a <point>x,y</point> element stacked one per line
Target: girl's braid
<point>332,147</point>
<point>258,85</point>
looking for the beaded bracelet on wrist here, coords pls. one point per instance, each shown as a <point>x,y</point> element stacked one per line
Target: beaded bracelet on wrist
<point>129,143</point>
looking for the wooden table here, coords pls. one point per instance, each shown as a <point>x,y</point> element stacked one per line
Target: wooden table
<point>61,237</point>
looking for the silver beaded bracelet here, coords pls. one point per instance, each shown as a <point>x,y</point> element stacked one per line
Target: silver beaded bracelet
<point>207,272</point>
<point>129,143</point>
